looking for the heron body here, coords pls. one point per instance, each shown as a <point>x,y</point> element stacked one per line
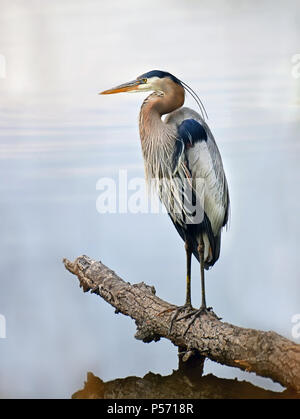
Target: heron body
<point>184,164</point>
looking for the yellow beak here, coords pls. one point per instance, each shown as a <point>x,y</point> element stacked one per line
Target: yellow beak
<point>126,87</point>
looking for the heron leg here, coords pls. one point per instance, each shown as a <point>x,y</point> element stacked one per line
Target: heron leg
<point>203,308</point>
<point>201,257</point>
<point>188,301</point>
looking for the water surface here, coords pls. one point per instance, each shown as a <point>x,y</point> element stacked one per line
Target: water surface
<point>58,137</point>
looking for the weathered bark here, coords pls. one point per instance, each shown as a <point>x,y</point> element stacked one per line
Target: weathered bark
<point>265,353</point>
<point>174,386</point>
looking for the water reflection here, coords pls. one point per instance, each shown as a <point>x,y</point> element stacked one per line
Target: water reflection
<point>57,138</point>
<point>174,386</point>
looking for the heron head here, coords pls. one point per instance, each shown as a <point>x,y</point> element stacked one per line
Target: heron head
<point>161,82</point>
<point>155,80</point>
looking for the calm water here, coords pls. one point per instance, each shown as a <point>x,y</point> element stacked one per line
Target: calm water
<point>58,138</point>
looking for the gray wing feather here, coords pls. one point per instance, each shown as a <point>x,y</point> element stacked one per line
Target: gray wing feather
<point>204,162</point>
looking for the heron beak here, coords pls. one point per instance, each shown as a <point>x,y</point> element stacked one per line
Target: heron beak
<point>131,86</point>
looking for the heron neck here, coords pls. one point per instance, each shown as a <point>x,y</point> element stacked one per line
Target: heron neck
<point>154,107</point>
<point>157,137</point>
<point>150,122</point>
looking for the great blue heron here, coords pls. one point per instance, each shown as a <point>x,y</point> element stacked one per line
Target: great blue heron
<point>182,148</point>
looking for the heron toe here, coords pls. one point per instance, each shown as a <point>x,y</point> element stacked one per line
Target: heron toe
<point>195,314</point>
<point>186,306</point>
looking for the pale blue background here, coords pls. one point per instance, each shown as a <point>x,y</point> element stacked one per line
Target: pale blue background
<point>58,137</point>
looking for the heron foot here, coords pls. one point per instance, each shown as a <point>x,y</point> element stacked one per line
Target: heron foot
<point>194,314</point>
<point>178,310</point>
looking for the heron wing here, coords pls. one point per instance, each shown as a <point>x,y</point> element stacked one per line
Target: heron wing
<point>196,150</point>
<point>197,154</point>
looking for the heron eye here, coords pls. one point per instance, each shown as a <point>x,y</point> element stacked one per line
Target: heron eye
<point>145,80</point>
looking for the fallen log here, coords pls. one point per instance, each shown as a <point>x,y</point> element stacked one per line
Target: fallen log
<point>265,353</point>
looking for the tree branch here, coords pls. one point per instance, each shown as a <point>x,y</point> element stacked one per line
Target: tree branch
<point>265,353</point>
<point>174,386</point>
